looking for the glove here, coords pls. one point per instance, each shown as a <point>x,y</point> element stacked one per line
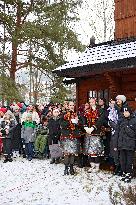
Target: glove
<point>89,130</point>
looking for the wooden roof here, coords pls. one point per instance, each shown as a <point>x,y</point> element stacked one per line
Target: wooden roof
<point>100,58</point>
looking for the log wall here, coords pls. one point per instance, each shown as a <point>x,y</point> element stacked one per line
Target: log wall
<point>117,83</point>
<point>89,84</point>
<point>125,18</point>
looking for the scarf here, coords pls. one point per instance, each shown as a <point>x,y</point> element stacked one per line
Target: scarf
<point>29,124</point>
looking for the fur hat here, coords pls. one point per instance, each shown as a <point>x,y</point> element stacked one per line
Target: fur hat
<point>121,97</point>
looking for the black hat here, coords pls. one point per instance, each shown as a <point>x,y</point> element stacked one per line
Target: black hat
<point>127,108</point>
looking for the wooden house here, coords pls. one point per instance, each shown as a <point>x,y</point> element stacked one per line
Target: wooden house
<point>108,69</point>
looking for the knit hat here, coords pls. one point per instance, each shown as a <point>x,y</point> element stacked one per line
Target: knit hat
<point>3,109</point>
<point>19,105</point>
<point>127,108</point>
<point>29,115</point>
<point>121,97</point>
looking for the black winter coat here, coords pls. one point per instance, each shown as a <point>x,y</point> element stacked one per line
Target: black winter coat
<point>11,128</point>
<point>16,139</point>
<point>125,135</point>
<point>54,131</point>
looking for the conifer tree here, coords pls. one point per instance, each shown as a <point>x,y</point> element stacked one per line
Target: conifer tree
<point>36,34</point>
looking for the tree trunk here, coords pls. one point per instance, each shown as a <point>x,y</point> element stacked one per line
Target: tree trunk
<point>36,87</point>
<point>15,43</point>
<point>13,61</point>
<point>35,97</point>
<point>104,21</point>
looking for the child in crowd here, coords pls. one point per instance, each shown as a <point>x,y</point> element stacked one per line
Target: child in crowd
<point>41,142</point>
<point>54,135</point>
<point>28,135</point>
<point>126,143</point>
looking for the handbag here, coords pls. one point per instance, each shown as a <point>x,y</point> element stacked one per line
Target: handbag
<point>55,151</point>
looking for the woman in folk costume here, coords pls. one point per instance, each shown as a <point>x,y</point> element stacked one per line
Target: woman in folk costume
<point>93,146</point>
<point>70,133</point>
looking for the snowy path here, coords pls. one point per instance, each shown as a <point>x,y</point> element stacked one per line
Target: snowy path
<point>39,183</point>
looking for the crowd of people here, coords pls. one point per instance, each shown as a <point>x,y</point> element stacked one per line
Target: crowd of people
<point>96,132</point>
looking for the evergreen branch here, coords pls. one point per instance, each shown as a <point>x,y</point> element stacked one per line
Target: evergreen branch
<point>28,11</point>
<point>7,21</point>
<point>48,75</point>
<point>22,65</point>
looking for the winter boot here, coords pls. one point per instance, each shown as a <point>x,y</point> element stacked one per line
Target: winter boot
<point>123,176</point>
<point>10,159</point>
<point>29,158</point>
<point>17,154</point>
<point>128,178</point>
<point>66,171</point>
<point>52,161</point>
<point>72,172</point>
<point>57,161</point>
<point>5,160</point>
<point>14,154</point>
<point>118,171</point>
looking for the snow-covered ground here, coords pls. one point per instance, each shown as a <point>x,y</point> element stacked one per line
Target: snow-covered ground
<point>39,183</point>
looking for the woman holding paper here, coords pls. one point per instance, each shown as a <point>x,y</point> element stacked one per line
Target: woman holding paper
<point>70,133</point>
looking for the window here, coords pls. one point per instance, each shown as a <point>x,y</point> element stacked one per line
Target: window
<point>99,94</point>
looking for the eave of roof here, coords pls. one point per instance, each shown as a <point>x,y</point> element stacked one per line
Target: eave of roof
<point>109,56</point>
<point>87,70</point>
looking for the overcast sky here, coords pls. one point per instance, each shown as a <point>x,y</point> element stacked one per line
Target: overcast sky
<point>91,22</point>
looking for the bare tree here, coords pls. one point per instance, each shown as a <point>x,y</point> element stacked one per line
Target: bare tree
<point>99,14</point>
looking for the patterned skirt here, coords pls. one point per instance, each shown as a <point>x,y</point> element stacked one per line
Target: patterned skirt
<point>93,145</point>
<point>70,146</point>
